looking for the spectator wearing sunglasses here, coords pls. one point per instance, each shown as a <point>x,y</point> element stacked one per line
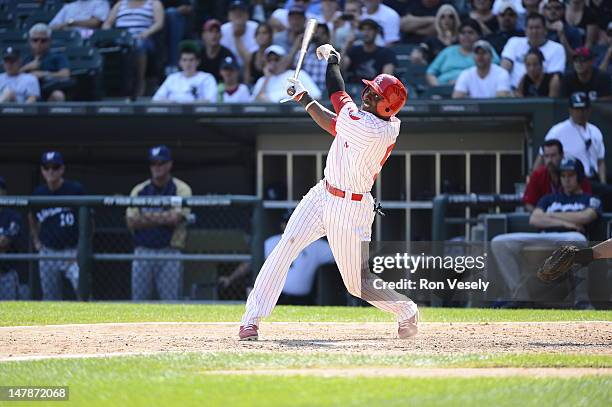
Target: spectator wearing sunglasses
<point>50,68</point>
<point>55,230</point>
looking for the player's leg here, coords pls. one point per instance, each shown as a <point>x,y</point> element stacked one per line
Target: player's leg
<point>71,270</point>
<point>169,277</point>
<point>304,227</point>
<point>349,225</point>
<point>50,277</point>
<point>142,277</point>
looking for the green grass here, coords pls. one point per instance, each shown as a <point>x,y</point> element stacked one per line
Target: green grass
<point>181,380</point>
<point>47,313</point>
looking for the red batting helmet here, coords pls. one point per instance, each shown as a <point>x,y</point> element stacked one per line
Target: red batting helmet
<point>391,90</point>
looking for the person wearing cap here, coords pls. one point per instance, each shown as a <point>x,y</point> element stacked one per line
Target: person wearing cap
<point>279,19</point>
<point>85,16</point>
<point>16,87</point>
<point>238,34</point>
<point>448,65</point>
<point>50,67</point>
<point>513,55</point>
<point>484,80</point>
<point>584,141</point>
<point>507,18</point>
<point>230,89</point>
<point>385,17</point>
<point>272,87</point>
<point>142,19</point>
<point>560,217</point>
<point>55,230</point>
<point>213,53</point>
<point>367,60</point>
<point>188,85</point>
<point>158,231</point>
<point>295,31</point>
<point>558,30</point>
<point>586,78</point>
<point>11,226</point>
<point>176,13</point>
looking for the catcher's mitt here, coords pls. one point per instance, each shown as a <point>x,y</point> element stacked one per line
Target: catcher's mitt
<point>558,263</point>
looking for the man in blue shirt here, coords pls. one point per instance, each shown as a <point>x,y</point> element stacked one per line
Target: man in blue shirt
<point>55,231</point>
<point>10,231</point>
<point>158,231</point>
<point>560,217</point>
<point>50,68</point>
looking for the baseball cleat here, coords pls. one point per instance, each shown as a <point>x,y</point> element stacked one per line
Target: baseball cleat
<point>408,328</point>
<point>248,333</point>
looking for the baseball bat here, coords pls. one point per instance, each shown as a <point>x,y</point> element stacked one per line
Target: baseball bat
<point>308,33</point>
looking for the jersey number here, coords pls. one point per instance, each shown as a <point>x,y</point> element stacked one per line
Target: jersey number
<point>384,160</point>
<point>66,219</point>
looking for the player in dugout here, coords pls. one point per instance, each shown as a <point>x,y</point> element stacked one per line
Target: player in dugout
<point>340,206</point>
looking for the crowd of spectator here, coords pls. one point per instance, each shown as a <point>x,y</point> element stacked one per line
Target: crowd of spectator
<point>549,48</point>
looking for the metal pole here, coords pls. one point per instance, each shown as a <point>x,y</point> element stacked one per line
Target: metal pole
<point>257,241</point>
<point>85,253</point>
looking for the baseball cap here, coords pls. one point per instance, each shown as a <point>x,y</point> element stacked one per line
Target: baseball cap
<point>483,45</point>
<point>52,157</point>
<point>10,53</point>
<point>579,100</point>
<point>229,63</point>
<point>210,24</point>
<point>583,53</point>
<point>3,183</point>
<point>572,164</point>
<point>507,4</point>
<point>160,153</point>
<point>238,4</point>
<point>276,49</point>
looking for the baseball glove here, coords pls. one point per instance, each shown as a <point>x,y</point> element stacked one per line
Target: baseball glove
<point>558,263</point>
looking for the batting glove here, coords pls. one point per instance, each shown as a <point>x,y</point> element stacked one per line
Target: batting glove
<point>325,51</point>
<point>294,85</point>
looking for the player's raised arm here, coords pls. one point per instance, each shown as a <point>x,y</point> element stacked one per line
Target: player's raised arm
<point>325,118</point>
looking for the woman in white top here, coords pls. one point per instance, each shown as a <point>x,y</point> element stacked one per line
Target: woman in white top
<point>142,19</point>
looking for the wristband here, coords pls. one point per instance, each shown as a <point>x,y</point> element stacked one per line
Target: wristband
<point>309,103</point>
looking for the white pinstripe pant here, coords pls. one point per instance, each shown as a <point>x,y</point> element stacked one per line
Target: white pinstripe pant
<point>347,224</point>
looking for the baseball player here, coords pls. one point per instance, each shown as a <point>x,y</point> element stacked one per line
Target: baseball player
<point>56,230</point>
<point>340,206</point>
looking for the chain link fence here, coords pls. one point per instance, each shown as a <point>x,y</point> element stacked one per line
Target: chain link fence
<point>120,248</point>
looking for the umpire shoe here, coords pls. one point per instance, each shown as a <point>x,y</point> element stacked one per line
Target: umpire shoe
<point>248,332</point>
<point>408,328</point>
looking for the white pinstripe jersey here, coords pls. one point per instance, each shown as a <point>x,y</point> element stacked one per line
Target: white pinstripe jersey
<point>361,146</point>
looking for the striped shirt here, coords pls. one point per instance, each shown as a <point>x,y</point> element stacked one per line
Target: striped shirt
<point>135,19</point>
<point>361,146</point>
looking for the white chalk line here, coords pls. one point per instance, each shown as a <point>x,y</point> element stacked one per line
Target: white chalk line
<point>300,323</point>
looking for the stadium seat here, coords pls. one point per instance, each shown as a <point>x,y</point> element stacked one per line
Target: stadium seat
<point>28,19</point>
<point>111,40</point>
<point>113,45</point>
<point>63,39</point>
<point>7,21</point>
<point>86,67</point>
<point>14,38</point>
<point>438,92</point>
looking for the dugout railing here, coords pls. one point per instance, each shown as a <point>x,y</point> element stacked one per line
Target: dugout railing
<point>462,221</point>
<point>223,230</point>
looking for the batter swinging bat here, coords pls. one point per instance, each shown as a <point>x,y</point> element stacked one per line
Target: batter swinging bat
<point>308,32</point>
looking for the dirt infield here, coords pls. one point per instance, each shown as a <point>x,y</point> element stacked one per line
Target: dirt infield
<point>34,342</point>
